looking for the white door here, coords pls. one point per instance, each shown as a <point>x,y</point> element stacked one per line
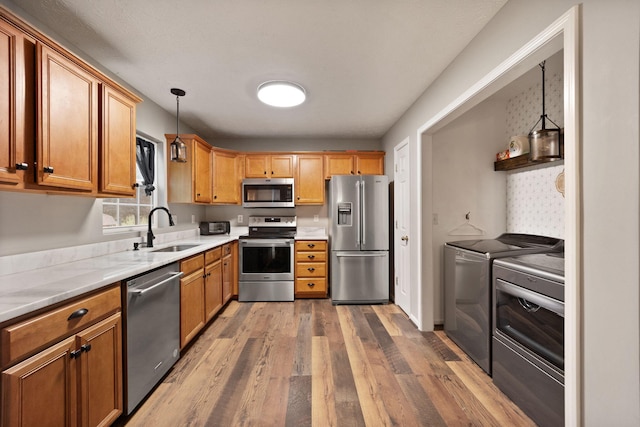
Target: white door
<point>401,246</point>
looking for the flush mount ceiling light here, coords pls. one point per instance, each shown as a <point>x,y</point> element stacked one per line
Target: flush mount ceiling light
<point>178,148</point>
<point>278,93</point>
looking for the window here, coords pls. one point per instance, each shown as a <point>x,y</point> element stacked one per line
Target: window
<point>129,212</point>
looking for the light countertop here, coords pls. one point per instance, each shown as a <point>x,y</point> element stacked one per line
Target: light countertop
<point>26,291</point>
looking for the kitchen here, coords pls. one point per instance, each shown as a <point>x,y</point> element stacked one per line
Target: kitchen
<point>609,30</point>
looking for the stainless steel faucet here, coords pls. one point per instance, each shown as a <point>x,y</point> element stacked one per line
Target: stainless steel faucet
<point>150,235</point>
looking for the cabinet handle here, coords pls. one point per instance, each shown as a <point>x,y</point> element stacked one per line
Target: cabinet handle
<point>135,185</point>
<point>298,197</point>
<point>359,173</point>
<point>75,354</point>
<point>48,169</point>
<point>265,172</point>
<point>215,197</point>
<point>311,269</point>
<point>85,347</point>
<point>272,172</point>
<point>78,313</point>
<point>311,285</point>
<point>311,256</point>
<point>22,166</point>
<point>311,245</point>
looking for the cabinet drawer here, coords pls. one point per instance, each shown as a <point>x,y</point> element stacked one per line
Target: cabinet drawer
<point>319,256</point>
<point>311,285</point>
<point>226,249</point>
<point>311,245</point>
<point>192,264</point>
<point>212,255</point>
<point>311,269</point>
<point>37,332</point>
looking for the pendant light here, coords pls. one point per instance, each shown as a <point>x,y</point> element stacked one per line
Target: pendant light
<point>178,148</point>
<point>545,144</point>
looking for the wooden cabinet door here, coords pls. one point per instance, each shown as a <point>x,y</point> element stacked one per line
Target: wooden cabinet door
<point>310,181</point>
<point>226,183</point>
<point>212,289</point>
<point>256,165</point>
<point>281,166</point>
<point>370,163</point>
<point>203,180</point>
<point>100,372</point>
<point>12,98</point>
<point>117,143</point>
<point>338,164</point>
<point>227,273</point>
<point>191,306</point>
<point>42,390</point>
<point>68,123</point>
<point>234,268</point>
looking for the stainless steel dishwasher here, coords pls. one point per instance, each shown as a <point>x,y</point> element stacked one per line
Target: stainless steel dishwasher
<point>152,329</point>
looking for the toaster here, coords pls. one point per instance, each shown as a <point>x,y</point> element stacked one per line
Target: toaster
<point>215,227</point>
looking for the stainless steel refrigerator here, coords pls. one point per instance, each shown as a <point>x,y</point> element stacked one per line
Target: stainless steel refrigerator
<point>359,237</point>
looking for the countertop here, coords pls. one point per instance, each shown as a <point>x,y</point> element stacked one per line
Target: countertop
<point>28,291</point>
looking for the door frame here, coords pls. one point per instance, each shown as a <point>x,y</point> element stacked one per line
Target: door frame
<point>563,34</point>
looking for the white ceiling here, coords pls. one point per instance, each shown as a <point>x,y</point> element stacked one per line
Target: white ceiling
<point>362,62</point>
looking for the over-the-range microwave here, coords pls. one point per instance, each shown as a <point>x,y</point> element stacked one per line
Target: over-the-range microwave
<point>268,193</point>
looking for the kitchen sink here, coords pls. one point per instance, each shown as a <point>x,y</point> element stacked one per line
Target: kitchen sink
<point>175,248</point>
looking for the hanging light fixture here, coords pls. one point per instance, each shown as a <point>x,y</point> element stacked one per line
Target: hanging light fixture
<point>279,93</point>
<point>178,148</point>
<point>545,144</point>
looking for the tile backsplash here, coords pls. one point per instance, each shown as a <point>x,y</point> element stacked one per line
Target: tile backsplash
<point>534,205</point>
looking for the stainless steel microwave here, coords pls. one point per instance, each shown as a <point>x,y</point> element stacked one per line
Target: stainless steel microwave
<point>268,193</point>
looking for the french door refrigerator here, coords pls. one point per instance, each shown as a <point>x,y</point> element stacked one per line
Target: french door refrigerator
<point>359,239</point>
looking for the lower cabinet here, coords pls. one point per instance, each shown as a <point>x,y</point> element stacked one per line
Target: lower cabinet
<point>227,272</point>
<point>192,300</point>
<point>311,269</point>
<point>75,381</point>
<point>212,282</point>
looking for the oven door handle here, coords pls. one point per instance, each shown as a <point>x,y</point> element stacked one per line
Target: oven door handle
<point>532,297</point>
<point>266,243</point>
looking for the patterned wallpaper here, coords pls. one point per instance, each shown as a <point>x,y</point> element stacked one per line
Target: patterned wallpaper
<point>534,205</point>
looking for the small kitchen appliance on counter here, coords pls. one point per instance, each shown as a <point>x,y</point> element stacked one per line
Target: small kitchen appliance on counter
<point>528,334</point>
<point>266,259</point>
<point>214,227</point>
<point>359,236</point>
<point>467,288</point>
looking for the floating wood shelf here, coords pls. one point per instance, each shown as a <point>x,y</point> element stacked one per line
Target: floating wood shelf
<point>519,162</point>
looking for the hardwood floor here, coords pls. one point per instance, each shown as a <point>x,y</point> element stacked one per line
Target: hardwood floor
<point>310,363</point>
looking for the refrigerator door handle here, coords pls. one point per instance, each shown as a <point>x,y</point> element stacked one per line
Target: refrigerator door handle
<point>363,226</point>
<point>359,225</point>
<point>356,254</point>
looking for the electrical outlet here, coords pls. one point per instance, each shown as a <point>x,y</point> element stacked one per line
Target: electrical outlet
<point>193,219</point>
<point>316,218</point>
<point>240,219</point>
<point>435,219</point>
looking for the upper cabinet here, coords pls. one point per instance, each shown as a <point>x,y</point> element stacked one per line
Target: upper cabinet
<point>260,165</point>
<point>117,142</point>
<point>190,182</point>
<point>71,130</point>
<point>309,183</point>
<point>358,163</point>
<point>67,137</point>
<point>227,177</point>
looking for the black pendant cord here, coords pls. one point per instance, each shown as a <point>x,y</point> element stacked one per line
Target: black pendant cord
<point>178,116</point>
<point>544,116</point>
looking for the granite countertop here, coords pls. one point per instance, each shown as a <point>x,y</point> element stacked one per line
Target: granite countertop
<point>30,290</point>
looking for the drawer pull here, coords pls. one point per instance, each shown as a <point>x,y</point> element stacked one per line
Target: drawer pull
<point>48,169</point>
<point>311,256</point>
<point>78,313</point>
<point>311,269</point>
<point>311,285</point>
<point>85,347</point>
<point>311,245</point>
<point>75,354</point>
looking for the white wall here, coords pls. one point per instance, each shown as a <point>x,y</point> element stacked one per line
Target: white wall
<point>610,180</point>
<point>464,181</point>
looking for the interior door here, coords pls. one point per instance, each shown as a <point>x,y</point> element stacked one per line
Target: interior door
<point>401,228</point>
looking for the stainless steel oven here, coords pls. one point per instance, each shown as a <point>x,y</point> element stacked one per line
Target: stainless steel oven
<point>528,334</point>
<point>266,260</point>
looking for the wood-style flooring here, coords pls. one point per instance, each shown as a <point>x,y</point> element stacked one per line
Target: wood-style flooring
<point>309,363</point>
